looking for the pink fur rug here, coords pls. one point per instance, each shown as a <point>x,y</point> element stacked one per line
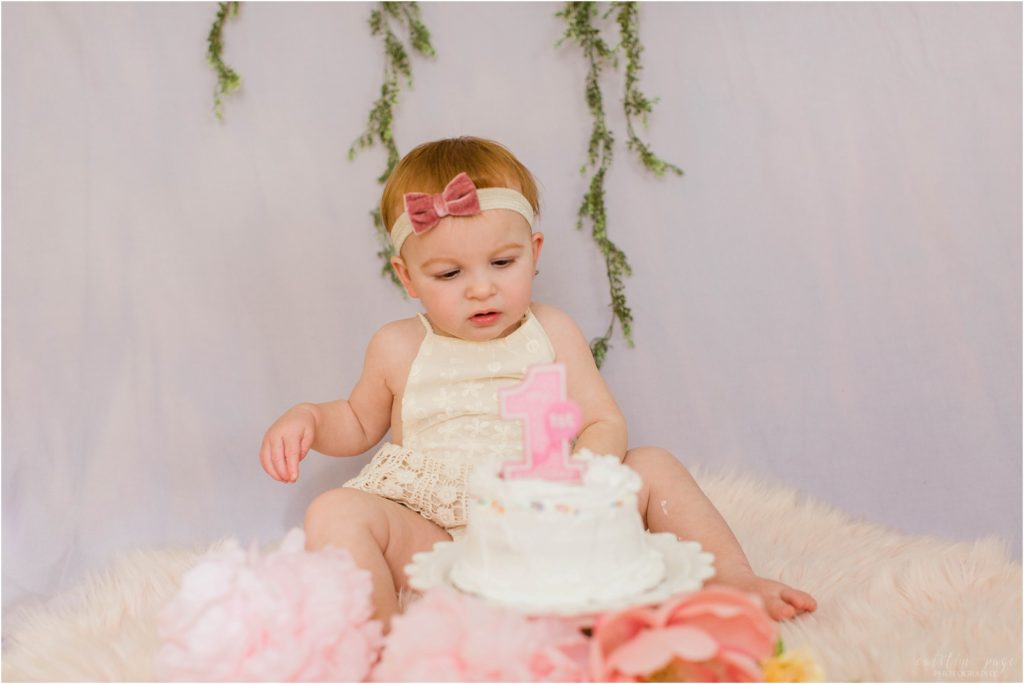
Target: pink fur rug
<point>891,607</point>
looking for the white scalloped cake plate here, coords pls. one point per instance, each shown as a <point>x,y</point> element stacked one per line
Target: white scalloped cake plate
<point>686,568</point>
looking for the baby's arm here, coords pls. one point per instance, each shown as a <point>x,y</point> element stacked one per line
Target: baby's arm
<point>604,429</point>
<point>348,427</point>
<point>338,428</point>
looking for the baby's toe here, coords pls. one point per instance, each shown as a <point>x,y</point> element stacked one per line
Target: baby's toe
<point>799,599</point>
<point>779,609</point>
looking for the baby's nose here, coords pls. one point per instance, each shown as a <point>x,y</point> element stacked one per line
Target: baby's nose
<point>480,286</point>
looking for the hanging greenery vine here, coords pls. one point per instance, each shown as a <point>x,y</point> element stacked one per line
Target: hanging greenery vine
<point>378,126</point>
<point>580,18</point>
<point>227,80</point>
<point>633,101</point>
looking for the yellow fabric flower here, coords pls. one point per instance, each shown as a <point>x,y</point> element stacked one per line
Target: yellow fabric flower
<point>793,666</point>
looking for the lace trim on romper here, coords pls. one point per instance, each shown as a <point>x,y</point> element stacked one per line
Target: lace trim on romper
<point>451,422</point>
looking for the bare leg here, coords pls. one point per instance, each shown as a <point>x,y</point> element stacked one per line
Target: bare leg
<point>381,535</point>
<point>668,486</point>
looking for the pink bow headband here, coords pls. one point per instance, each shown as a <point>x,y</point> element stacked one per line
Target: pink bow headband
<point>460,197</point>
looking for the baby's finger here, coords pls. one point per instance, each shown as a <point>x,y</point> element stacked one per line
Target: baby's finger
<point>291,455</point>
<point>280,467</point>
<point>306,444</point>
<point>268,467</point>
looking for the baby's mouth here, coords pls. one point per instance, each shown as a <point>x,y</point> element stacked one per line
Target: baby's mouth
<point>485,316</point>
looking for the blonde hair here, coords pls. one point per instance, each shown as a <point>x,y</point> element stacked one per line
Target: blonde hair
<point>431,166</point>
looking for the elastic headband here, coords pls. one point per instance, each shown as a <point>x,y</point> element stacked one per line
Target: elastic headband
<point>460,197</point>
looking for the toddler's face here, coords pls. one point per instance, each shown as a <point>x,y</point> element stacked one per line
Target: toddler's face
<point>474,274</point>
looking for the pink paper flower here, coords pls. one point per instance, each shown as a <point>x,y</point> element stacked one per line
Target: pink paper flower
<point>716,634</point>
<point>446,636</point>
<point>289,616</point>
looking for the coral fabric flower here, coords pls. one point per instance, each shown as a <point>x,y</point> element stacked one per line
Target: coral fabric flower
<point>289,616</point>
<point>447,636</point>
<point>716,634</point>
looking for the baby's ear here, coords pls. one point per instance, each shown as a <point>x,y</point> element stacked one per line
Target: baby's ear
<point>536,242</point>
<point>402,271</point>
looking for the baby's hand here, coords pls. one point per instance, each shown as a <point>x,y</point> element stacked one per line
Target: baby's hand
<point>287,442</point>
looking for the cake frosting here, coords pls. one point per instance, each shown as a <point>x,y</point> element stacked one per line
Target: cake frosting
<point>536,543</point>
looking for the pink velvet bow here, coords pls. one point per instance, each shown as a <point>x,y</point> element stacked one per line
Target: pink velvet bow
<point>458,199</point>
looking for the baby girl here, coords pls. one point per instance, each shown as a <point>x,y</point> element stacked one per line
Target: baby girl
<point>461,215</point>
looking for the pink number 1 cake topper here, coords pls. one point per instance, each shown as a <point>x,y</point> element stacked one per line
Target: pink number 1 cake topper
<point>549,422</point>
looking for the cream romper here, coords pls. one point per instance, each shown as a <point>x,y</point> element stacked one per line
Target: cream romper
<point>450,420</point>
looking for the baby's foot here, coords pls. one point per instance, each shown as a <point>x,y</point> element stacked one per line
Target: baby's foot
<point>781,601</point>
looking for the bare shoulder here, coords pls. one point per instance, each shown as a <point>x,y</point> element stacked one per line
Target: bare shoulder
<point>396,335</point>
<point>562,330</point>
<point>393,348</point>
<point>553,316</point>
<point>585,384</point>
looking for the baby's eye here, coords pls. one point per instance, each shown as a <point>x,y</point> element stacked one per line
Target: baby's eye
<point>502,263</point>
<point>447,275</point>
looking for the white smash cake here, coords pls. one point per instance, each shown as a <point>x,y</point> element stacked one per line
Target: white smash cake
<point>538,542</point>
